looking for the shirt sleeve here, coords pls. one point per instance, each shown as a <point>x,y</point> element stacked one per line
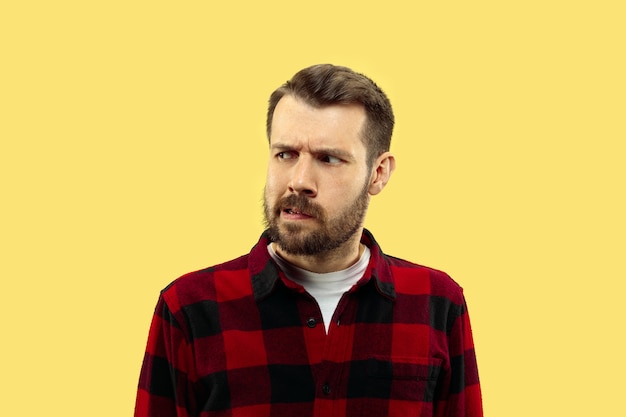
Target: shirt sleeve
<point>165,388</point>
<point>461,396</point>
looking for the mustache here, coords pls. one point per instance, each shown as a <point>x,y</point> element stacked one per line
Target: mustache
<point>302,204</point>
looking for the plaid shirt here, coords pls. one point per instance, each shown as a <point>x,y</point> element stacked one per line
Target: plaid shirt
<point>241,340</point>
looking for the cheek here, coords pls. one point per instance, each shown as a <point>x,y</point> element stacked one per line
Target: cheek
<point>338,195</point>
<point>272,183</point>
<point>346,186</point>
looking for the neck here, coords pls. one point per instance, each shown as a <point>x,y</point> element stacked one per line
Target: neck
<point>335,260</point>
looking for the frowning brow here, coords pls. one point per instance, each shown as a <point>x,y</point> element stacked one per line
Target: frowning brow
<point>336,152</point>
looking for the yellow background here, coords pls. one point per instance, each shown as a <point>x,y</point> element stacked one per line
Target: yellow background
<point>133,151</point>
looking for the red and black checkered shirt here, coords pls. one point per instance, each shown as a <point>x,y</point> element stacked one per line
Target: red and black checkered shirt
<point>241,340</point>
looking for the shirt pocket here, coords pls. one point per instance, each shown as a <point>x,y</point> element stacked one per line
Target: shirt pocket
<point>403,378</point>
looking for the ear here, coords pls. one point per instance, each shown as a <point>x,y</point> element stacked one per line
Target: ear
<point>382,168</point>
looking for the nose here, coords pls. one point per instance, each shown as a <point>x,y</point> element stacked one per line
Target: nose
<point>302,179</point>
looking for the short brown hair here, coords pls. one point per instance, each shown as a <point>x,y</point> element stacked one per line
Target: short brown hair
<point>326,84</point>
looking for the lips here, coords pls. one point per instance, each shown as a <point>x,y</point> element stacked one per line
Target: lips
<point>298,207</point>
<point>294,211</point>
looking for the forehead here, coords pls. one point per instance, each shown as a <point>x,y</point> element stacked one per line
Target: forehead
<point>297,122</point>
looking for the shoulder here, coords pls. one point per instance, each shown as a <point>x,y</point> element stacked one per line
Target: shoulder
<point>205,285</point>
<point>219,283</point>
<point>412,278</point>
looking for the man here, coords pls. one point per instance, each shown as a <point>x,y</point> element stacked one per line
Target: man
<point>316,320</point>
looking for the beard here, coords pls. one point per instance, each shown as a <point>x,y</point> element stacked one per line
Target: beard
<point>331,232</point>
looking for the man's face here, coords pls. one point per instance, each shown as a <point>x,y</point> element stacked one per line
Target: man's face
<point>316,194</point>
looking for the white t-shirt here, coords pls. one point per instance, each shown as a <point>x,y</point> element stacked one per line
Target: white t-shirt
<point>326,288</point>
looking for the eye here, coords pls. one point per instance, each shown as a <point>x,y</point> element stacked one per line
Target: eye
<point>286,155</point>
<point>329,159</point>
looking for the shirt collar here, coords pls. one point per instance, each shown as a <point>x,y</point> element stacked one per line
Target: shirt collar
<point>265,273</point>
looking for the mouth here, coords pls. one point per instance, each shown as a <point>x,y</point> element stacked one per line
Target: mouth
<point>293,212</point>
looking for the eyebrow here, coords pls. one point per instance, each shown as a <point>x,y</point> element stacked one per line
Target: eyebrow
<point>339,153</point>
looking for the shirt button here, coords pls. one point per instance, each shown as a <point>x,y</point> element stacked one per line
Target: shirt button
<point>311,322</point>
<point>326,389</point>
